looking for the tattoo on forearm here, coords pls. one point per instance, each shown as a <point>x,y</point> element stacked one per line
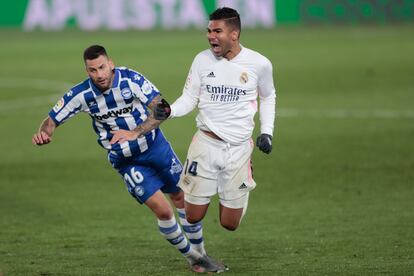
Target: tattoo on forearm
<point>149,124</point>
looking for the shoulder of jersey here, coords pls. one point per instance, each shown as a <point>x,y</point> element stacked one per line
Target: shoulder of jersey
<point>129,73</point>
<point>79,88</point>
<point>256,56</point>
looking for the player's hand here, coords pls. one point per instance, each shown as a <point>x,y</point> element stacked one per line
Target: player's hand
<point>123,135</point>
<point>41,138</point>
<point>162,110</point>
<point>264,143</point>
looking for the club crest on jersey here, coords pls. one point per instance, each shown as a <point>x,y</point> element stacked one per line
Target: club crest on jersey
<point>126,93</point>
<point>58,106</point>
<point>139,190</point>
<point>244,78</point>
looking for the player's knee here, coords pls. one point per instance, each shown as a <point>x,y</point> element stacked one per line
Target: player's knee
<point>178,199</point>
<point>230,225</point>
<point>193,219</point>
<point>163,212</point>
<point>164,215</point>
<point>195,215</point>
<point>160,207</point>
<point>230,218</point>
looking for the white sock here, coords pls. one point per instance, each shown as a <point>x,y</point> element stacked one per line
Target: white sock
<point>172,233</point>
<point>194,232</point>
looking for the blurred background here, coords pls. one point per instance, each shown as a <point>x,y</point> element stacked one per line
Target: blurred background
<point>335,197</point>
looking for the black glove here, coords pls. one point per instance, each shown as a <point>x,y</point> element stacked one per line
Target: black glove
<point>162,110</point>
<point>264,143</point>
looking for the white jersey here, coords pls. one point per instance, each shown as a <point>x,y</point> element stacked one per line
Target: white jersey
<point>226,93</point>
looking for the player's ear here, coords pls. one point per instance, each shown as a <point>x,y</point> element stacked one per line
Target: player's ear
<point>235,35</point>
<point>86,66</point>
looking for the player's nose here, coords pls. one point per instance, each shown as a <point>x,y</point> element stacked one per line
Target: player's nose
<point>99,74</point>
<point>210,36</point>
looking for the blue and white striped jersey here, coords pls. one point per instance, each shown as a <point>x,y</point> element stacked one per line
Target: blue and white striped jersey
<point>124,106</point>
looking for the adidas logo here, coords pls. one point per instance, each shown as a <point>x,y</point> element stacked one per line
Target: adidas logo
<point>243,186</point>
<point>211,75</point>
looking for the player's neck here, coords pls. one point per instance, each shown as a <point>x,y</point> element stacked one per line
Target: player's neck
<point>233,52</point>
<point>111,83</point>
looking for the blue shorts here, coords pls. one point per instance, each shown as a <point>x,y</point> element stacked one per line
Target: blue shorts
<point>158,168</point>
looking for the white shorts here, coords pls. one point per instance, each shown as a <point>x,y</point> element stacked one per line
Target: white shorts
<point>216,167</point>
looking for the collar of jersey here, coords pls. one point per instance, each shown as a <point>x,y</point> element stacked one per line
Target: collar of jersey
<point>115,83</point>
<point>239,54</point>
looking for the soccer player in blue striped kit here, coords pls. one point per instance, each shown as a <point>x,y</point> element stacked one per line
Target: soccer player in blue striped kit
<point>118,98</point>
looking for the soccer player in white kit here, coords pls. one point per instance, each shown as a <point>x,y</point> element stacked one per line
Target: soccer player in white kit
<point>224,82</point>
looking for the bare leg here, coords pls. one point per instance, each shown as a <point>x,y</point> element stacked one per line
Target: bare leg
<point>160,206</point>
<point>195,213</point>
<point>230,218</point>
<point>178,199</point>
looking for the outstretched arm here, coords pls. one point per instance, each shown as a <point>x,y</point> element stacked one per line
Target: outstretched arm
<point>149,124</point>
<point>45,132</point>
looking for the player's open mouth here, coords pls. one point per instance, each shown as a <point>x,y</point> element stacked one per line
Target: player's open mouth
<point>215,47</point>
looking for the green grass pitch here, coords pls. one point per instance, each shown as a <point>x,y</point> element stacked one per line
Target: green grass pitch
<point>335,197</point>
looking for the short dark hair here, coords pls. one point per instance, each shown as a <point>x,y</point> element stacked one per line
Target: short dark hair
<point>231,16</point>
<point>93,52</point>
